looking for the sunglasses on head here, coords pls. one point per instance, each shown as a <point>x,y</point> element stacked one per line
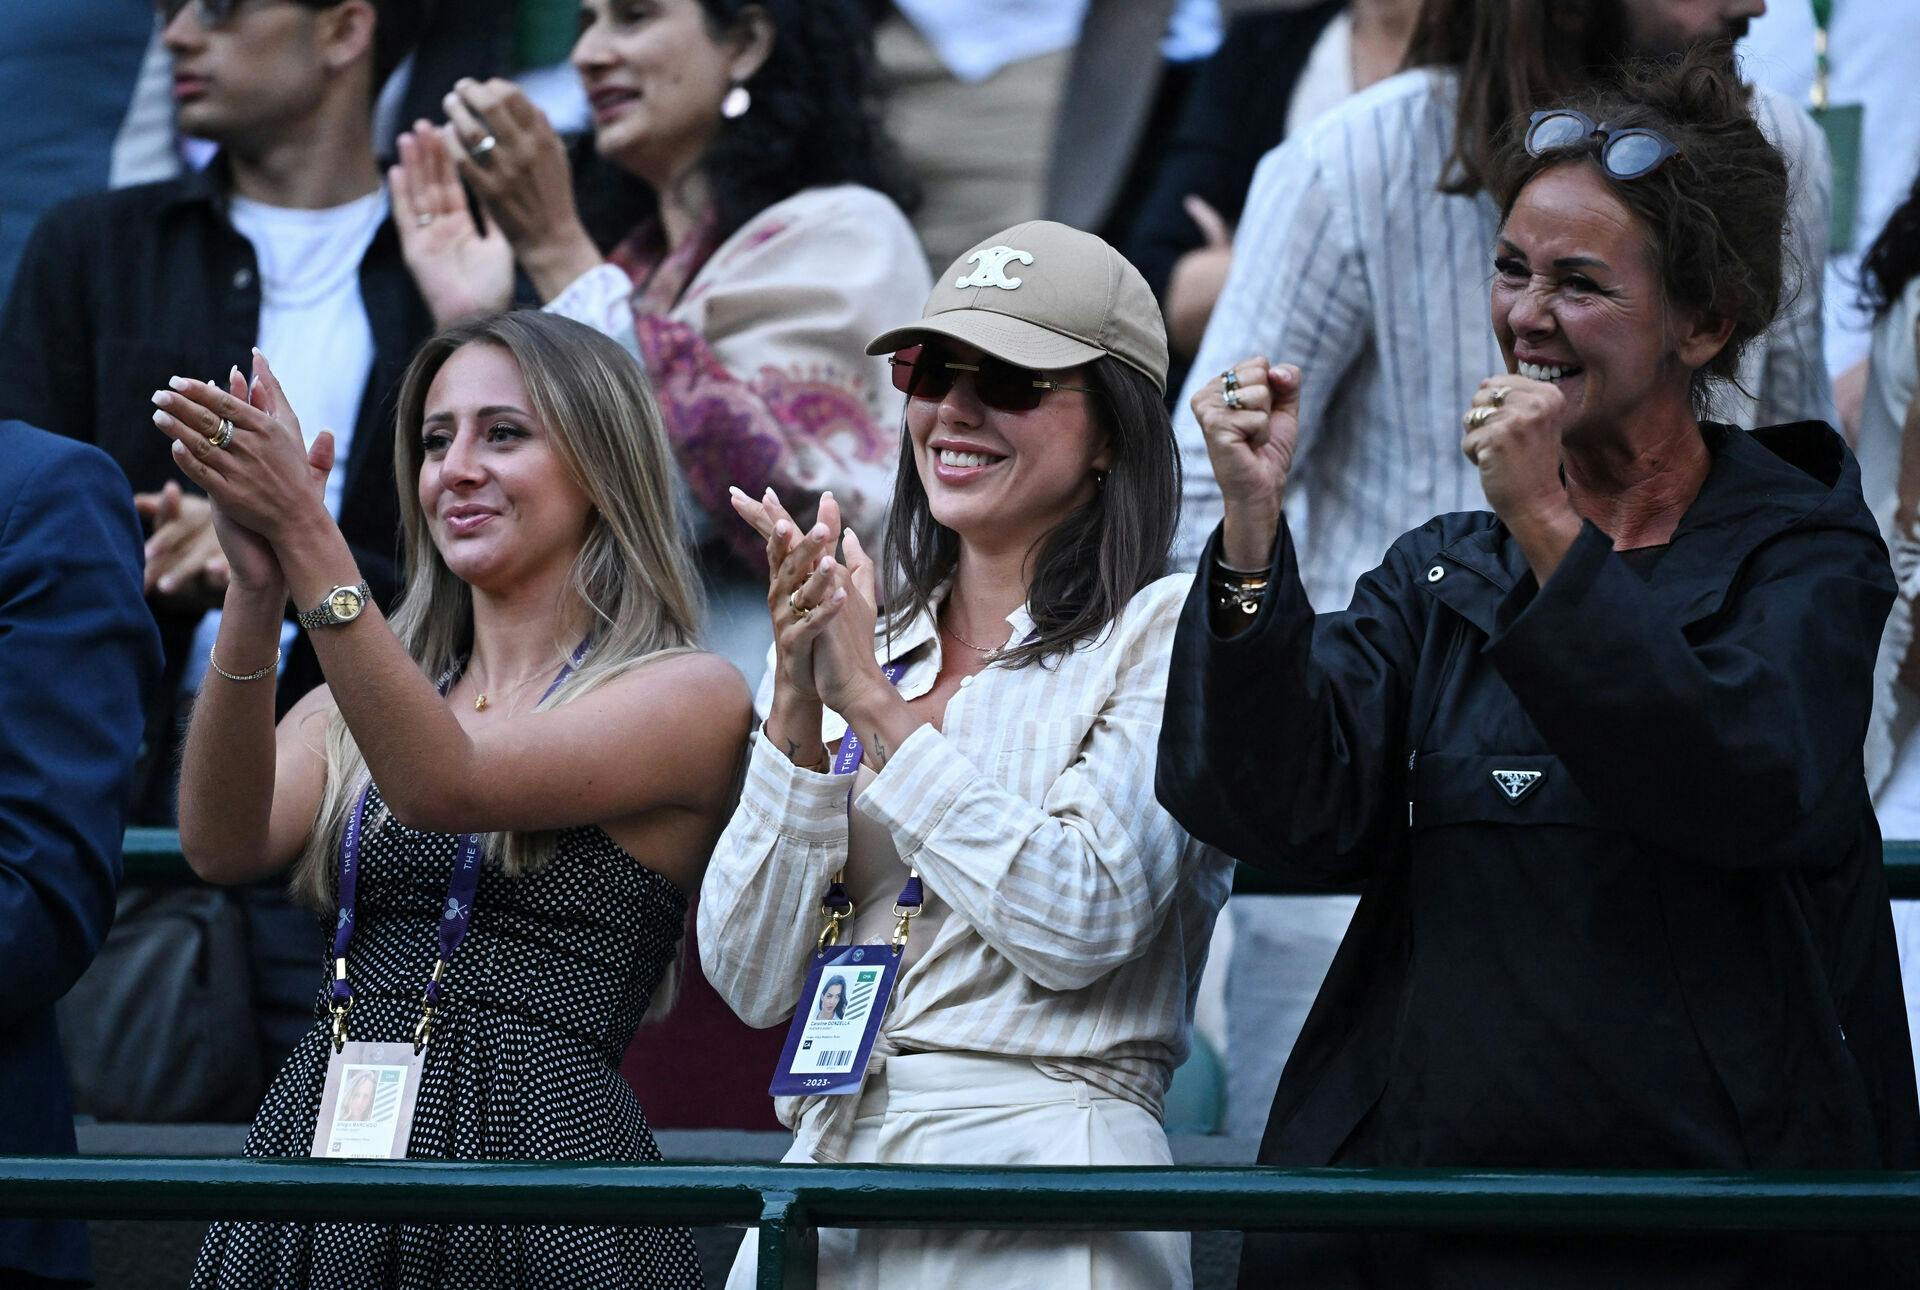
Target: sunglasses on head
<point>1624,154</point>
<point>928,372</point>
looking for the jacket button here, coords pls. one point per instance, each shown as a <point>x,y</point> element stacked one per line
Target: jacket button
<point>242,279</point>
<point>1436,573</point>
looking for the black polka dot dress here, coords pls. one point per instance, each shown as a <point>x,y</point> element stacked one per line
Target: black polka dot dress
<point>550,984</point>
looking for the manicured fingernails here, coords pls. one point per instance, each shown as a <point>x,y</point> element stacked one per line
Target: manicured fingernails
<point>839,595</point>
<point>178,382</point>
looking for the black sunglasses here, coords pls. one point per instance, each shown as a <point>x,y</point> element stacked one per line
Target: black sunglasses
<point>928,372</point>
<point>1625,154</point>
<point>215,13</point>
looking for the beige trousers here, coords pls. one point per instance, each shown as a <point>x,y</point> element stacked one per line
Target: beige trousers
<point>971,1109</point>
<point>979,151</point>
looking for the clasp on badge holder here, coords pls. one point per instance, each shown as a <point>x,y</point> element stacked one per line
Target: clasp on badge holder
<point>423,1029</point>
<point>906,914</point>
<point>830,934</point>
<point>340,1011</point>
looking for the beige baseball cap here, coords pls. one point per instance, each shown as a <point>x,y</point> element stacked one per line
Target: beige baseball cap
<point>1047,296</point>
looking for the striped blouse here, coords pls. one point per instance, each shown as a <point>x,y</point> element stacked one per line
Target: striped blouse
<point>1349,263</point>
<point>1073,913</point>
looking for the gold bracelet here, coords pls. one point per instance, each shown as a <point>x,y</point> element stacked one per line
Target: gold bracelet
<point>261,675</point>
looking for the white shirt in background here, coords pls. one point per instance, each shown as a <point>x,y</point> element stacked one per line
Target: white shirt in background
<point>1874,59</point>
<point>313,322</point>
<point>313,329</point>
<point>1327,79</point>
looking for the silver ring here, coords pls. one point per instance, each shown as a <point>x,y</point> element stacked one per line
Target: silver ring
<point>423,219</point>
<point>222,434</point>
<point>800,611</point>
<point>478,152</point>
<point>1496,394</point>
<point>1230,379</point>
<point>1232,399</point>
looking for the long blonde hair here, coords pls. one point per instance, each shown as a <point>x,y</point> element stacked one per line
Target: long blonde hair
<point>633,574</point>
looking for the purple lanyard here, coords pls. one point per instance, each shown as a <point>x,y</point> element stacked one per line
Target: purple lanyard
<point>455,915</point>
<point>837,905</point>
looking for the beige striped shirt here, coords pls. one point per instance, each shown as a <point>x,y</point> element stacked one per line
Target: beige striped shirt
<point>1069,916</point>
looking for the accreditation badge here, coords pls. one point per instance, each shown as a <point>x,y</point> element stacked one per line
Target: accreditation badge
<point>366,1107</point>
<point>831,1039</point>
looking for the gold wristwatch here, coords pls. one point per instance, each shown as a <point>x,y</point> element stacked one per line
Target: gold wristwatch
<point>342,605</point>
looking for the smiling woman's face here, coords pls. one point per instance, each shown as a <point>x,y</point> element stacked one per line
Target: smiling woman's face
<point>655,77</point>
<point>499,502</point>
<point>1578,301</point>
<point>1006,478</point>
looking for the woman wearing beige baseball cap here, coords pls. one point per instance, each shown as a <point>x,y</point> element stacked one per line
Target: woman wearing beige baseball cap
<point>962,782</point>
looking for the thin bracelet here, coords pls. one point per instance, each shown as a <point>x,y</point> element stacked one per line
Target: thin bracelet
<point>1224,567</point>
<point>261,675</point>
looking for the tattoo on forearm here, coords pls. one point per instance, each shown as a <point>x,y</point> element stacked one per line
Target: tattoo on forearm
<point>878,753</point>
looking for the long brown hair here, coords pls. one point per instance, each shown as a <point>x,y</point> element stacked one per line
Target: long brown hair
<point>633,575</point>
<point>1093,561</point>
<point>1511,55</point>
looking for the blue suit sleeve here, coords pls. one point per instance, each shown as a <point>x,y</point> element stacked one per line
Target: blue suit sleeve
<point>77,650</point>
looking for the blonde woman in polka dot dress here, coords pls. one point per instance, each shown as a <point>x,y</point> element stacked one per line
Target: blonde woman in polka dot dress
<point>536,687</point>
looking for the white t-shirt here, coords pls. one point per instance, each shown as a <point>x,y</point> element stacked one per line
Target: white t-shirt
<point>313,329</point>
<point>313,323</point>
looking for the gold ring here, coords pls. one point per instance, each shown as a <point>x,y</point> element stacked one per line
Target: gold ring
<point>1477,417</point>
<point>1496,394</point>
<point>800,611</point>
<point>1231,397</point>
<point>222,434</point>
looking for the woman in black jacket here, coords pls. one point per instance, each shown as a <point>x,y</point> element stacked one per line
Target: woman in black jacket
<point>1594,756</point>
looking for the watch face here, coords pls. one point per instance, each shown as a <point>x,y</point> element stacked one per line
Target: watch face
<point>345,603</point>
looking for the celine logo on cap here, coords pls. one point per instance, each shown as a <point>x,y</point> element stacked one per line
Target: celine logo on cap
<point>993,262</point>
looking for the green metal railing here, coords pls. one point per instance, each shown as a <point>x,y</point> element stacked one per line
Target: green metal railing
<point>788,1203</point>
<point>153,859</point>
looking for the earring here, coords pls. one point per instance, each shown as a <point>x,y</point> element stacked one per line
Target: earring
<point>1099,479</point>
<point>735,105</point>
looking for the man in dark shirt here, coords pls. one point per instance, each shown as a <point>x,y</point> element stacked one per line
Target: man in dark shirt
<point>284,242</point>
<point>118,291</point>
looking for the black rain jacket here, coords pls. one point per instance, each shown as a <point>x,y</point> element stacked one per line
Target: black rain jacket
<point>1623,903</point>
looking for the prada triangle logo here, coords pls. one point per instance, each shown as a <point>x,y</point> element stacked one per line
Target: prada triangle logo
<point>1516,784</point>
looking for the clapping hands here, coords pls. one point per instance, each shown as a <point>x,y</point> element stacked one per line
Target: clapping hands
<point>823,606</point>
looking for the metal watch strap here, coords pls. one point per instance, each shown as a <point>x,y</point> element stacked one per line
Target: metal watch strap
<point>322,615</point>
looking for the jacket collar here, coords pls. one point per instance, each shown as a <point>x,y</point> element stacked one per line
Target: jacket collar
<point>1760,484</point>
<point>210,185</point>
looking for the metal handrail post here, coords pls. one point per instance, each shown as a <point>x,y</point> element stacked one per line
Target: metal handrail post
<point>789,1245</point>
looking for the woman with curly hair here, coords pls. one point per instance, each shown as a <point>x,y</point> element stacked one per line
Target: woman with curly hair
<point>763,243</point>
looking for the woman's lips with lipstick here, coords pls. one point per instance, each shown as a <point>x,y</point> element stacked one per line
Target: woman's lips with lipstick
<point>610,102</point>
<point>462,520</point>
<point>957,463</point>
